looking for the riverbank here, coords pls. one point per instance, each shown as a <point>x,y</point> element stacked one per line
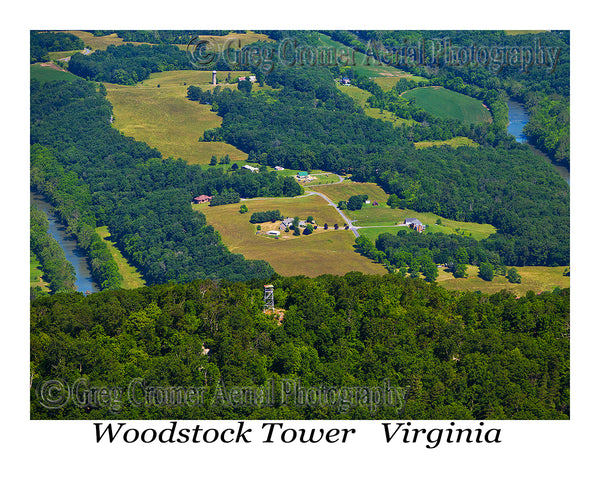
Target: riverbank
<point>518,116</point>
<point>84,281</point>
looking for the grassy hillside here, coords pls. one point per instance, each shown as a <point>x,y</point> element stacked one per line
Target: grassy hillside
<point>36,273</point>
<point>448,104</point>
<point>537,279</point>
<point>164,118</point>
<point>453,142</point>
<point>49,73</point>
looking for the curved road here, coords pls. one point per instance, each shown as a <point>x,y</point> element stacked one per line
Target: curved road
<point>346,219</point>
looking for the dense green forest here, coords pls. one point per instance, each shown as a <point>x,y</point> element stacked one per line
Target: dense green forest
<point>414,253</point>
<point>461,355</point>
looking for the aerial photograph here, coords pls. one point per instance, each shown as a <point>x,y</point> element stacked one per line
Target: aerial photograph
<point>299,225</point>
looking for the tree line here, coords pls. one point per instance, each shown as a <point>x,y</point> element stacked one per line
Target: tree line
<point>58,271</point>
<point>266,216</point>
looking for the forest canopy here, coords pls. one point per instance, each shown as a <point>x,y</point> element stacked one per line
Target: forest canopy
<point>459,355</point>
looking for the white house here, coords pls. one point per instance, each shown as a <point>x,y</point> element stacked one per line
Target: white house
<point>251,168</point>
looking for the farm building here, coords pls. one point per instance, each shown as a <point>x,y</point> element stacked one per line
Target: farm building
<point>302,174</point>
<point>251,78</point>
<point>415,224</point>
<point>251,168</point>
<point>273,233</point>
<point>202,199</point>
<point>287,223</point>
<point>279,169</point>
<point>345,81</point>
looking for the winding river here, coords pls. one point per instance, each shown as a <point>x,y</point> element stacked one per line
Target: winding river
<point>84,281</point>
<point>517,119</point>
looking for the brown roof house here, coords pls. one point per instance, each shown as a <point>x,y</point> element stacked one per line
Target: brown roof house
<point>203,199</point>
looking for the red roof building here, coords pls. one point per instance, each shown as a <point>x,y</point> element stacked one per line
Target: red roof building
<point>202,199</point>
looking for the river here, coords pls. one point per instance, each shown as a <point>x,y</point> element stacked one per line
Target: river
<point>517,119</point>
<point>84,281</point>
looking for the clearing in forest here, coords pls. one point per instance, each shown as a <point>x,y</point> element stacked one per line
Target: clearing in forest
<point>330,251</point>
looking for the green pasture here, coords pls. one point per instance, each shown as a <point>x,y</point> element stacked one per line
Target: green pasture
<point>449,104</point>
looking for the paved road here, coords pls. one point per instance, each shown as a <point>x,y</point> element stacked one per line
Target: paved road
<point>346,219</point>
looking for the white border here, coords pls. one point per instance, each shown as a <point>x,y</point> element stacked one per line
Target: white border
<point>530,449</point>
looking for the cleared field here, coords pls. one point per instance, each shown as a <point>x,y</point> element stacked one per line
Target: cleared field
<point>344,190</point>
<point>131,277</point>
<point>164,119</point>
<point>98,43</point>
<point>373,232</point>
<point>453,142</point>
<point>49,73</point>
<point>364,65</point>
<point>523,32</point>
<point>448,104</point>
<point>234,40</point>
<point>537,279</point>
<point>383,215</point>
<point>360,97</point>
<point>388,82</point>
<point>59,55</point>
<point>35,273</point>
<point>322,179</point>
<point>322,252</point>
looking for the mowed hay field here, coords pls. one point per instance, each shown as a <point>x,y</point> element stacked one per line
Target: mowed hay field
<point>453,142</point>
<point>330,251</point>
<point>537,279</point>
<point>98,43</point>
<point>233,40</point>
<point>36,273</point>
<point>448,104</point>
<point>344,190</point>
<point>165,119</point>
